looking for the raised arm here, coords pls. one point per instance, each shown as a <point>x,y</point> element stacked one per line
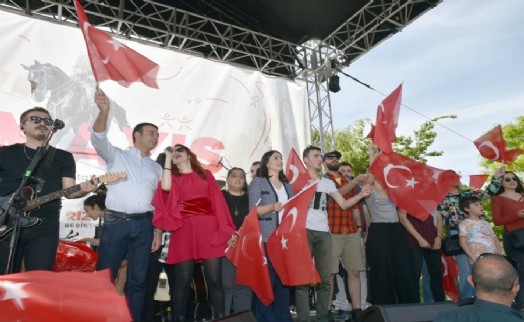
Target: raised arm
<point>347,203</point>
<point>102,101</point>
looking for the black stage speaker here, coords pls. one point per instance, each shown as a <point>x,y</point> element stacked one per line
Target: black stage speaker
<point>406,312</point>
<point>244,316</point>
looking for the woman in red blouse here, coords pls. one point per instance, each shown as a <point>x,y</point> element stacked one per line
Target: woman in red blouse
<point>189,204</point>
<point>507,208</point>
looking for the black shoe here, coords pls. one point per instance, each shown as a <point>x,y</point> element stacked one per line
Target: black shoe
<point>355,315</point>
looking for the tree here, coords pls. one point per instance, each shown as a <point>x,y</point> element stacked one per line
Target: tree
<point>349,141</point>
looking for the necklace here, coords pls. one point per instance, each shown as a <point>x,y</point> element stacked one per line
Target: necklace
<point>27,156</point>
<point>234,203</point>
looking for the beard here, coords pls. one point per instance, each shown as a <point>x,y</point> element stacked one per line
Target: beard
<point>333,167</point>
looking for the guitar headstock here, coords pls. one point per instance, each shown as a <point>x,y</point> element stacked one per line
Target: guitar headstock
<point>112,177</point>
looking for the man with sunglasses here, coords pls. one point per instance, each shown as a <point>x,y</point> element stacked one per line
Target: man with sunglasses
<point>128,228</point>
<point>36,245</point>
<point>346,228</point>
<point>496,282</point>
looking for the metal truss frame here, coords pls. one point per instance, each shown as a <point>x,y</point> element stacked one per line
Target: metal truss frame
<point>158,24</point>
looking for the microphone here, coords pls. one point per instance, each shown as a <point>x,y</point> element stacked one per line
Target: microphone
<point>58,124</point>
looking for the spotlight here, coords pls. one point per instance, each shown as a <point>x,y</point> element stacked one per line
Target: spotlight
<point>333,84</point>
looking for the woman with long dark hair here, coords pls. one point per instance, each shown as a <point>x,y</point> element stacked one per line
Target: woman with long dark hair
<point>268,191</point>
<point>189,203</point>
<point>507,208</point>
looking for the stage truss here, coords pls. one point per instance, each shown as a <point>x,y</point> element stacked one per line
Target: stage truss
<point>159,24</point>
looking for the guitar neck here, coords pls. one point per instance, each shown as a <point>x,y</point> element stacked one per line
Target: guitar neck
<point>31,204</point>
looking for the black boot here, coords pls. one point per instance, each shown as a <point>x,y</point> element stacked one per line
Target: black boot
<point>355,315</point>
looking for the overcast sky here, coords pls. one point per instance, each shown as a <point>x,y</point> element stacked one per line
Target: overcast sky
<point>464,57</point>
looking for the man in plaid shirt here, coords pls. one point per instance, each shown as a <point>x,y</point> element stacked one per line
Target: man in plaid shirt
<point>345,227</point>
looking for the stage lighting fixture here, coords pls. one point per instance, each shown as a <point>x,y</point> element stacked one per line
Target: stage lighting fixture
<point>333,84</point>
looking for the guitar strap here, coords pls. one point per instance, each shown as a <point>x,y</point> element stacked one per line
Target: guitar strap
<point>44,169</point>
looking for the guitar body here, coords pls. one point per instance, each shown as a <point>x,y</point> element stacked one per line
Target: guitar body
<point>6,220</point>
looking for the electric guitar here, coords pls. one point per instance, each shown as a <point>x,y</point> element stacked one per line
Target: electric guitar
<point>6,225</point>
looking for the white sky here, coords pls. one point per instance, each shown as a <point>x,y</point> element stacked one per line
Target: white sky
<point>464,57</point>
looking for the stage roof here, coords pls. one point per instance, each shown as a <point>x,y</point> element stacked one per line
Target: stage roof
<point>273,36</point>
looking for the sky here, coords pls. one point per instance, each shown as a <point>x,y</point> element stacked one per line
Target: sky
<point>464,57</point>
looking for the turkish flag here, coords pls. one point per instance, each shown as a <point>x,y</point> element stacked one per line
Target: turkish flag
<point>288,248</point>
<point>413,186</point>
<point>296,172</point>
<point>249,257</point>
<point>371,133</point>
<point>111,59</point>
<point>449,275</point>
<point>477,181</point>
<point>387,121</point>
<point>42,296</point>
<point>492,146</point>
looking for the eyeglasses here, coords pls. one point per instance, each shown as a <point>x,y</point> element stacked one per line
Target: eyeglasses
<point>331,157</point>
<point>37,119</point>
<point>180,150</point>
<point>509,179</point>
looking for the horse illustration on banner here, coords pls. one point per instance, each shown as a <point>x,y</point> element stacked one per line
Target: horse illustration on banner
<point>68,98</point>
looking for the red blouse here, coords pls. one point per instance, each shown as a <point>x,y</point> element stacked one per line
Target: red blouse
<point>504,212</point>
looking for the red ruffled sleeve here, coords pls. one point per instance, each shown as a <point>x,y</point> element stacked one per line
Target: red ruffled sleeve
<point>226,227</point>
<point>167,215</point>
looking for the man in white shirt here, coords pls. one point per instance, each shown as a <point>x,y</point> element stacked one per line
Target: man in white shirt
<point>127,229</point>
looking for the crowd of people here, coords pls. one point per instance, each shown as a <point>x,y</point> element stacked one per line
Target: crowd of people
<point>171,214</point>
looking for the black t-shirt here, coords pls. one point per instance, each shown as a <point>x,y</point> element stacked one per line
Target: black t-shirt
<point>14,160</point>
<point>238,203</point>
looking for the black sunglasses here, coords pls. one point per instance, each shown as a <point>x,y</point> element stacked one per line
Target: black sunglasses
<point>331,157</point>
<point>37,119</point>
<point>180,150</point>
<point>509,179</point>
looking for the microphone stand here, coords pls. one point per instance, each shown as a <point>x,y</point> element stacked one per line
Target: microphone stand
<point>17,203</point>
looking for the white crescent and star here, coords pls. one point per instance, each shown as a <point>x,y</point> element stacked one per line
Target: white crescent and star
<point>492,146</point>
<point>13,291</point>
<point>409,183</point>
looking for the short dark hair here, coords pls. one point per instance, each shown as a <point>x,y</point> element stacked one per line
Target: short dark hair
<point>466,201</point>
<point>139,128</point>
<point>308,149</point>
<point>254,164</point>
<point>23,116</point>
<point>347,164</point>
<point>496,276</point>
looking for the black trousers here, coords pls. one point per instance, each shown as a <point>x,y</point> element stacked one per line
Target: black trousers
<point>434,263</point>
<point>389,265</point>
<point>153,275</point>
<point>36,246</point>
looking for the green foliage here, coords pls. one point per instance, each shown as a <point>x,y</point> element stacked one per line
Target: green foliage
<point>416,147</point>
<point>349,141</point>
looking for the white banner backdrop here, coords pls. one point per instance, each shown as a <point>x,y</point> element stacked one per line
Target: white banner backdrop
<point>218,110</point>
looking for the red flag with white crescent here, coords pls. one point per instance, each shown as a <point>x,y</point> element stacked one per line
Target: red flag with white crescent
<point>296,172</point>
<point>250,259</point>
<point>413,186</point>
<point>288,248</point>
<point>492,146</point>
